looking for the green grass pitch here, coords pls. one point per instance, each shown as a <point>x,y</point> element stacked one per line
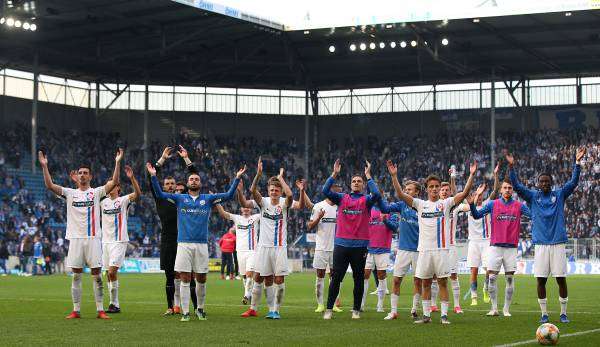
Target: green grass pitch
<point>32,311</point>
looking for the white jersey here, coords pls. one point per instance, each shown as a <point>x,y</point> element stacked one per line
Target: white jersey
<point>273,223</point>
<point>246,231</point>
<point>325,235</point>
<point>83,212</point>
<point>434,230</point>
<point>479,229</point>
<point>114,219</point>
<point>452,223</point>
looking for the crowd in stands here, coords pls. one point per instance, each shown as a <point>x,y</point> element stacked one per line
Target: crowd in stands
<point>24,218</point>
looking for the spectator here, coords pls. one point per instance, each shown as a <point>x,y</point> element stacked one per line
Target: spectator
<point>38,257</point>
<point>26,252</point>
<point>3,257</point>
<point>227,245</point>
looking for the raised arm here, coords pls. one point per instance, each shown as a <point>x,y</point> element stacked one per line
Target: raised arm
<point>221,197</point>
<point>183,153</point>
<point>137,192</point>
<point>254,187</point>
<point>224,214</point>
<point>308,204</point>
<point>287,191</point>
<point>393,170</point>
<point>523,191</point>
<point>300,204</point>
<point>54,188</point>
<point>315,221</point>
<point>570,186</point>
<point>156,186</point>
<point>462,195</point>
<point>374,195</point>
<point>525,210</point>
<point>110,185</point>
<point>241,197</point>
<point>452,181</point>
<point>330,194</point>
<point>494,192</point>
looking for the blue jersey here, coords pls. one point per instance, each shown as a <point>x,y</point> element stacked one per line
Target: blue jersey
<point>547,210</point>
<point>193,213</point>
<point>408,237</point>
<point>37,250</point>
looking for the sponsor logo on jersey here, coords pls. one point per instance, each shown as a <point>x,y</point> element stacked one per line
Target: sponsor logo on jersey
<point>328,220</point>
<point>243,227</point>
<point>433,214</point>
<point>88,203</point>
<point>352,212</point>
<point>273,216</point>
<point>506,217</point>
<point>193,210</point>
<point>112,211</point>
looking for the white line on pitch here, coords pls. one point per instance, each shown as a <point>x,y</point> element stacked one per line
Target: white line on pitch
<point>585,332</point>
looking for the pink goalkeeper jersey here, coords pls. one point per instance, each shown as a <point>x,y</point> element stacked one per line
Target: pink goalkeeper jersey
<point>353,218</point>
<point>506,222</point>
<point>380,236</point>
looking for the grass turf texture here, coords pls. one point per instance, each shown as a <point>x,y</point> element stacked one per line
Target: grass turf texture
<point>33,311</point>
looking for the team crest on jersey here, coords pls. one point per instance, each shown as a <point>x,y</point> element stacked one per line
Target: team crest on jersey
<point>90,195</point>
<point>440,207</point>
<point>553,199</point>
<point>202,202</point>
<point>278,209</point>
<point>117,203</point>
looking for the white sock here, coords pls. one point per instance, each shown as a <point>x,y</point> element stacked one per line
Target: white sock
<point>427,308</point>
<point>543,306</point>
<point>270,291</point>
<point>434,293</point>
<point>279,294</point>
<point>563,305</point>
<point>416,299</point>
<point>381,293</point>
<point>177,296</point>
<point>98,292</point>
<point>201,294</point>
<point>256,295</point>
<point>184,289</point>
<point>456,292</point>
<point>394,302</point>
<point>365,292</point>
<point>474,290</point>
<point>319,286</point>
<point>444,308</point>
<point>76,292</point>
<point>248,284</point>
<point>493,291</point>
<point>114,292</point>
<point>508,292</point>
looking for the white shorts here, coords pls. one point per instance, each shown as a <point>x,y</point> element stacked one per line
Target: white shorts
<point>84,252</point>
<point>192,257</point>
<point>498,257</point>
<point>379,261</point>
<point>323,259</point>
<point>550,260</point>
<point>405,260</point>
<point>271,261</point>
<point>453,260</point>
<point>433,262</point>
<point>245,261</point>
<point>477,253</point>
<point>113,254</point>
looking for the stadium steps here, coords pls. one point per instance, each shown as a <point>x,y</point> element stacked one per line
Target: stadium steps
<point>34,183</point>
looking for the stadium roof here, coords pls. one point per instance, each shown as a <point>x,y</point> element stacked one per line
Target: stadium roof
<point>166,42</point>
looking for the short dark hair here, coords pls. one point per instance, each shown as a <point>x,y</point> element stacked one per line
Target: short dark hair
<point>357,175</point>
<point>432,178</point>
<point>84,166</point>
<point>445,184</point>
<point>546,173</point>
<point>179,183</point>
